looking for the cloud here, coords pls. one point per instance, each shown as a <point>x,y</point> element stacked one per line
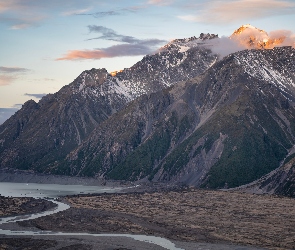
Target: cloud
<point>6,80</point>
<point>287,35</point>
<point>110,52</point>
<point>42,5</point>
<point>75,12</point>
<point>239,10</point>
<point>160,2</point>
<point>18,21</point>
<point>109,34</point>
<point>13,70</point>
<point>118,12</point>
<point>224,46</point>
<point>10,74</point>
<point>20,26</point>
<point>48,79</point>
<point>21,14</point>
<point>130,46</point>
<point>38,96</point>
<point>5,113</point>
<point>17,105</point>
<point>102,14</point>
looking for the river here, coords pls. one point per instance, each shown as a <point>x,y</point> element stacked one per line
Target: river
<point>52,191</point>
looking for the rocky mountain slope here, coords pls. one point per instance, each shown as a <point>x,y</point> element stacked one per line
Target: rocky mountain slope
<point>42,133</point>
<point>180,115</point>
<point>225,128</point>
<point>280,181</point>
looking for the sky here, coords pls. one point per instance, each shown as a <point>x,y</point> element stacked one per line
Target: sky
<point>45,45</point>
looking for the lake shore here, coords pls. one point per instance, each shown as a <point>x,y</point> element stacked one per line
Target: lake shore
<point>22,176</point>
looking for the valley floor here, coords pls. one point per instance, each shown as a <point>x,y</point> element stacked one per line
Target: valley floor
<point>182,216</point>
<point>23,205</point>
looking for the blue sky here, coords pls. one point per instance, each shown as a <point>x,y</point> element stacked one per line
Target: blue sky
<point>47,44</point>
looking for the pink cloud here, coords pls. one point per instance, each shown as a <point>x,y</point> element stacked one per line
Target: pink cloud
<point>238,10</point>
<point>130,46</point>
<point>6,80</point>
<point>83,54</point>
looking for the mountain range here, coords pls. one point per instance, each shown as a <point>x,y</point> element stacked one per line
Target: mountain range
<point>183,114</point>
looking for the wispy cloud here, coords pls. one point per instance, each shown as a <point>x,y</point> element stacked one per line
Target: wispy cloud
<point>130,46</point>
<point>10,74</point>
<point>6,80</point>
<point>48,79</point>
<point>160,2</point>
<point>42,5</point>
<point>109,34</point>
<point>21,14</point>
<point>38,96</point>
<point>101,14</point>
<point>116,12</point>
<point>238,10</point>
<point>75,12</point>
<point>13,70</point>
<point>17,106</point>
<point>110,52</point>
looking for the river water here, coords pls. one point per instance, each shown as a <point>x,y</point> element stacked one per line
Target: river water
<point>52,191</point>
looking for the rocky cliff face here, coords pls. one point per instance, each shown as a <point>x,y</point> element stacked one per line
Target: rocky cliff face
<point>224,128</point>
<point>45,132</point>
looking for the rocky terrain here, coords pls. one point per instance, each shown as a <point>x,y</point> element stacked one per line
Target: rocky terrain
<point>26,243</point>
<point>185,216</point>
<point>280,181</point>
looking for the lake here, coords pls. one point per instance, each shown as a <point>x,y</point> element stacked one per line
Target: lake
<point>35,190</point>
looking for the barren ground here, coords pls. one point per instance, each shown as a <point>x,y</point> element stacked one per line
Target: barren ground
<point>189,216</point>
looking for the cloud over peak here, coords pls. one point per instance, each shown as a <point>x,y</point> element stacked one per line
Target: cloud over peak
<point>249,37</point>
<point>129,46</point>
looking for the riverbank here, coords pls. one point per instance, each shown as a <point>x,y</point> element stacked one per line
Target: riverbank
<point>23,205</point>
<point>184,215</point>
